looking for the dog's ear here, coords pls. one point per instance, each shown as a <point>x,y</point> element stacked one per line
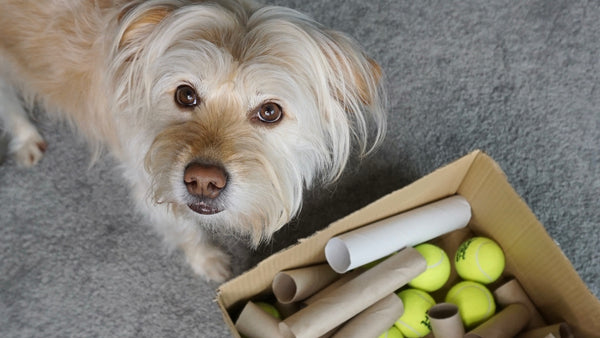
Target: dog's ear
<point>138,23</point>
<point>376,73</point>
<point>355,82</point>
<point>366,79</point>
<point>357,74</point>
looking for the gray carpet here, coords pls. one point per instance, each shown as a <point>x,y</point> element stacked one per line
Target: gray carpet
<point>518,79</point>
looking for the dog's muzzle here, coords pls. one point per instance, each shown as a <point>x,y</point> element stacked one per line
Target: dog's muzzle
<point>205,183</point>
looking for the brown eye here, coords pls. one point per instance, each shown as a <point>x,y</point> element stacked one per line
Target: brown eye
<point>270,112</point>
<point>186,96</point>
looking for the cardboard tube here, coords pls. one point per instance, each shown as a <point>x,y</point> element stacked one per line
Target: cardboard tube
<point>355,296</point>
<point>374,320</point>
<point>254,322</point>
<point>333,286</point>
<point>512,292</point>
<point>505,324</point>
<point>379,239</point>
<point>295,285</point>
<point>287,309</point>
<point>445,321</point>
<point>561,330</point>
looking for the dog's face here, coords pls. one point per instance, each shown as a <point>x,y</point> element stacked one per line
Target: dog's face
<point>231,111</point>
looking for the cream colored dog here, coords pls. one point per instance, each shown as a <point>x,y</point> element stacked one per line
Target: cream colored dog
<point>221,112</point>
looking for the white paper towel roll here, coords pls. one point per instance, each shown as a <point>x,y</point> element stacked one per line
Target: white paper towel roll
<point>379,239</point>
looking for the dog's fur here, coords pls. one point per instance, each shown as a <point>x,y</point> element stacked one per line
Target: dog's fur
<point>113,69</point>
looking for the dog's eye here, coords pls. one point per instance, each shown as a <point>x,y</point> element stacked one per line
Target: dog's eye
<point>270,112</point>
<point>186,96</point>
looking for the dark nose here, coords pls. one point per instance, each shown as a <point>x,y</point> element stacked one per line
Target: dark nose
<point>204,180</point>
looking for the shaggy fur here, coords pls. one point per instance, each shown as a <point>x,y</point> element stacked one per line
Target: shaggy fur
<point>113,69</point>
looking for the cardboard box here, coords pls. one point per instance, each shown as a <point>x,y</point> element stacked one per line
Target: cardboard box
<point>498,212</point>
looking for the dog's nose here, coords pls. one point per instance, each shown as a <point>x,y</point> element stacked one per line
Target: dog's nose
<point>204,180</point>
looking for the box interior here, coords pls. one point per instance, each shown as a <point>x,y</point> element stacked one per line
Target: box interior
<point>498,212</point>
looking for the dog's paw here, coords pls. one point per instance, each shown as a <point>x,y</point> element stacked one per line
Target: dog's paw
<point>208,261</point>
<point>29,148</point>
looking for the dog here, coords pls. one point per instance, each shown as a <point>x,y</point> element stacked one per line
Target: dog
<point>220,113</point>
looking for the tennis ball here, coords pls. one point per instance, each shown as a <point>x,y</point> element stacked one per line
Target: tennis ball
<point>270,309</point>
<point>475,302</point>
<point>438,268</point>
<point>415,321</point>
<point>479,259</point>
<point>393,332</point>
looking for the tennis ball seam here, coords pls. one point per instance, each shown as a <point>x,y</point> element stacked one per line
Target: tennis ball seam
<point>423,296</point>
<point>485,262</point>
<point>488,296</point>
<point>437,272</point>
<point>438,263</point>
<point>490,301</point>
<point>485,274</point>
<point>425,299</point>
<point>409,327</point>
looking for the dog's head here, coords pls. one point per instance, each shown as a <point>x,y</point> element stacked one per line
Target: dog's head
<point>234,109</point>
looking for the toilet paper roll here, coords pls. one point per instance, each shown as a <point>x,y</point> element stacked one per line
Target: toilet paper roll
<point>512,292</point>
<point>255,322</point>
<point>374,320</point>
<point>297,284</point>
<point>287,309</point>
<point>445,321</point>
<point>560,330</point>
<point>333,286</point>
<point>505,324</point>
<point>354,296</point>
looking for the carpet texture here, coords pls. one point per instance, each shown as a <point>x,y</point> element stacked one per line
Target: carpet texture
<point>517,79</point>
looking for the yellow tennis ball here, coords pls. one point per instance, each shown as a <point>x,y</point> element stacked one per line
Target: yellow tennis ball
<point>415,321</point>
<point>438,268</point>
<point>475,302</point>
<point>479,259</point>
<point>393,332</point>
<point>270,309</point>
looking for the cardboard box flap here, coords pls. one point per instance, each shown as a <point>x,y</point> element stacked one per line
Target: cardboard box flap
<point>441,183</point>
<point>532,256</point>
